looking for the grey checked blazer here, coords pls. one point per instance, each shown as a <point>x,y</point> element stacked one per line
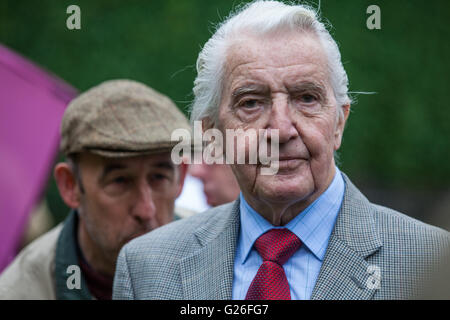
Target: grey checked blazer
<point>373,253</point>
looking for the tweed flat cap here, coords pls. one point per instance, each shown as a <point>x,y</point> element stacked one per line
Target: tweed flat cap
<point>120,118</point>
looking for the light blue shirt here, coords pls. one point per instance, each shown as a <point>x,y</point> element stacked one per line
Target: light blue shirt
<point>313,227</point>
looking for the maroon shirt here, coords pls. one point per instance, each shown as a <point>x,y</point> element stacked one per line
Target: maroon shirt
<point>100,285</point>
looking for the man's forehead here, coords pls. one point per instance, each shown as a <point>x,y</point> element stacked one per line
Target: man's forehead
<point>288,53</point>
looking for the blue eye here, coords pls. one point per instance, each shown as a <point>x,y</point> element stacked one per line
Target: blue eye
<point>250,103</point>
<point>307,98</point>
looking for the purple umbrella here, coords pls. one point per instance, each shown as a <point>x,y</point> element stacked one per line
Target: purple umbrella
<point>32,103</point>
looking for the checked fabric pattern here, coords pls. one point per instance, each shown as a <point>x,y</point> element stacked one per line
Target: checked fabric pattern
<point>270,283</point>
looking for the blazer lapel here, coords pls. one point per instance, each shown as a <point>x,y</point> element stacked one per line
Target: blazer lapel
<point>208,273</point>
<point>345,272</point>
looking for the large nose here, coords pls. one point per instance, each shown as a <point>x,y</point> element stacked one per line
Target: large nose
<point>144,209</point>
<point>281,119</point>
<point>199,171</point>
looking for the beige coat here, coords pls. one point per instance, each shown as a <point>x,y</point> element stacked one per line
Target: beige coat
<point>31,274</point>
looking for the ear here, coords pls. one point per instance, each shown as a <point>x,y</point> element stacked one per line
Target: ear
<point>182,171</point>
<point>67,184</point>
<point>340,125</point>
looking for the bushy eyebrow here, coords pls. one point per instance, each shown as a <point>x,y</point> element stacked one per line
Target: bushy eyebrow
<point>250,89</point>
<point>262,89</point>
<point>307,86</point>
<point>167,165</point>
<point>109,168</point>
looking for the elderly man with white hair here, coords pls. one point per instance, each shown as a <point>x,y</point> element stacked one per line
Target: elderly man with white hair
<point>305,232</point>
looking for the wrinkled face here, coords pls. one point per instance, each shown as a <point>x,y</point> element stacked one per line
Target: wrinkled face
<point>126,197</point>
<point>282,82</point>
<point>219,183</point>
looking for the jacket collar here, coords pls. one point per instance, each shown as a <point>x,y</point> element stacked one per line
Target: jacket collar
<point>208,273</point>
<point>66,256</point>
<point>345,273</point>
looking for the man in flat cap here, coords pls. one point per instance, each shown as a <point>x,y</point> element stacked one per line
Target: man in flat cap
<point>120,182</point>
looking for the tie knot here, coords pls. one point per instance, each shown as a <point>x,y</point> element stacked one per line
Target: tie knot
<point>277,245</point>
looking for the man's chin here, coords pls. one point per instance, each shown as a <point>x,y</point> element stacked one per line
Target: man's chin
<point>285,189</point>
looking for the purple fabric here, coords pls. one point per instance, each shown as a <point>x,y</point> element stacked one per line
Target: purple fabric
<point>32,103</point>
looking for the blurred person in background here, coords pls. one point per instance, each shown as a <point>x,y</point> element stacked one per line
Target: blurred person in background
<point>39,222</point>
<point>192,200</point>
<point>219,184</point>
<point>119,180</point>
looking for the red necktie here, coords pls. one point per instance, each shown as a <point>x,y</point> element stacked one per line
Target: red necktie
<point>270,283</point>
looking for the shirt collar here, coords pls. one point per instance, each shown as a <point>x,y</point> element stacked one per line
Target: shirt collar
<point>313,226</point>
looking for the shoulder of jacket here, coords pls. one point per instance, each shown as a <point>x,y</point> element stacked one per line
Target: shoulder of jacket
<point>42,247</point>
<point>391,224</point>
<point>180,234</point>
<point>30,275</point>
<point>401,228</point>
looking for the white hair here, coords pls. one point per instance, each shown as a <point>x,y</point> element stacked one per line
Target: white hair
<point>260,17</point>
